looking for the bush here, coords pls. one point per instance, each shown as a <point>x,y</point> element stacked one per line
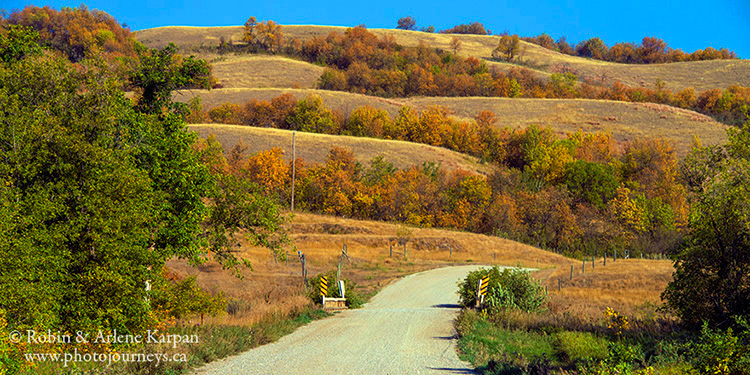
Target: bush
<point>353,298</point>
<point>508,288</point>
<point>184,299</point>
<point>722,352</point>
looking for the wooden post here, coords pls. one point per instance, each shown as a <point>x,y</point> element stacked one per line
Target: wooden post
<point>294,161</point>
<point>391,255</point>
<point>494,257</point>
<point>304,270</point>
<point>406,257</point>
<point>593,262</point>
<point>583,267</point>
<point>559,285</point>
<point>450,252</point>
<point>545,290</point>
<point>605,258</point>
<point>614,255</point>
<point>341,261</point>
<point>571,272</point>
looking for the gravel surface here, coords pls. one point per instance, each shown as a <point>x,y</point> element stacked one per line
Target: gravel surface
<point>407,328</point>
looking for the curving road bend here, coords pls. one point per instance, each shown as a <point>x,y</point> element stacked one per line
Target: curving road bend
<point>407,328</point>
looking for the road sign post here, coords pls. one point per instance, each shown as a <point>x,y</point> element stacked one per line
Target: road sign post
<point>323,286</point>
<point>482,289</point>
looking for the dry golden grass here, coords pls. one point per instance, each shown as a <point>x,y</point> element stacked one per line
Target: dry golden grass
<point>264,71</point>
<point>337,100</point>
<point>314,148</point>
<point>628,286</point>
<point>625,121</point>
<point>701,75</point>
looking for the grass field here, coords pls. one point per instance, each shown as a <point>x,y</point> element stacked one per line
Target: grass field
<point>701,75</point>
<point>314,147</point>
<point>625,121</point>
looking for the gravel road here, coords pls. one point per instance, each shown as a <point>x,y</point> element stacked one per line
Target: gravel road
<point>407,328</point>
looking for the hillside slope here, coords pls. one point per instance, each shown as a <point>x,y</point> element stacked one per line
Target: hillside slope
<point>626,121</point>
<point>701,75</point>
<point>314,147</point>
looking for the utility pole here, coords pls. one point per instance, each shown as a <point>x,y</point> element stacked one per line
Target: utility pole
<point>294,163</point>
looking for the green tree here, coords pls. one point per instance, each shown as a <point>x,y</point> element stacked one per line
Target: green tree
<point>589,182</point>
<point>311,115</point>
<point>160,72</point>
<point>17,42</point>
<point>96,195</point>
<point>712,272</point>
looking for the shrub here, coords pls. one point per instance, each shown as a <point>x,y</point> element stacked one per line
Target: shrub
<point>508,288</point>
<point>183,299</point>
<point>722,352</point>
<point>353,298</point>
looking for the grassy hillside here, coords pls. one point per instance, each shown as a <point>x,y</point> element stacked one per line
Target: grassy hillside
<point>264,71</point>
<point>626,121</point>
<point>701,75</point>
<point>315,147</point>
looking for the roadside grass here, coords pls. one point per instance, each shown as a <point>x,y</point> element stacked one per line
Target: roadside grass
<point>214,342</point>
<point>625,121</point>
<point>481,341</point>
<point>495,346</point>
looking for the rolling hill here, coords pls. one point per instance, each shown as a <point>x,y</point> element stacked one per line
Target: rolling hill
<point>314,147</point>
<point>626,121</point>
<point>701,75</point>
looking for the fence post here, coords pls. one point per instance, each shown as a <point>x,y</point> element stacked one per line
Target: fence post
<point>391,251</point>
<point>406,257</point>
<point>605,258</point>
<point>450,252</point>
<point>304,270</point>
<point>583,267</point>
<point>593,262</point>
<point>571,272</point>
<point>559,285</point>
<point>614,255</point>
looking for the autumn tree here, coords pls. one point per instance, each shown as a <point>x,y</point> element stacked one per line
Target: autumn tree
<point>77,32</point>
<point>406,23</point>
<point>456,45</point>
<point>475,28</point>
<point>592,48</point>
<point>367,121</point>
<point>263,36</point>
<point>652,50</point>
<point>268,170</point>
<point>508,48</point>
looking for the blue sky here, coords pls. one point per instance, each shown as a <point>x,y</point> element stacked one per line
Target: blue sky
<point>686,24</point>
